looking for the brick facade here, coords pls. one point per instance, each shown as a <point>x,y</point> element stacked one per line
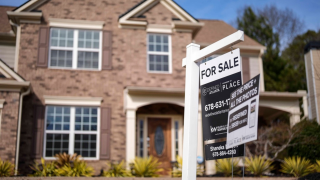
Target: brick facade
<point>129,67</point>
<point>9,122</point>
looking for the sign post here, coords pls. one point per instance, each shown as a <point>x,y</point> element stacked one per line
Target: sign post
<point>194,55</point>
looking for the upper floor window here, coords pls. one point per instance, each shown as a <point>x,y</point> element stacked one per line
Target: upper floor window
<point>75,49</point>
<point>159,53</point>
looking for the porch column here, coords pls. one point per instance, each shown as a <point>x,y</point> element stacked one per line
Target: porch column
<point>304,103</point>
<point>294,118</point>
<point>130,136</point>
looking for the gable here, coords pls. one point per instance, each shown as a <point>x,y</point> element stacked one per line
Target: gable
<point>163,16</point>
<point>159,14</point>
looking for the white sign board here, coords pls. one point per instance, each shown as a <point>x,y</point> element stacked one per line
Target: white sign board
<point>243,113</point>
<point>218,78</point>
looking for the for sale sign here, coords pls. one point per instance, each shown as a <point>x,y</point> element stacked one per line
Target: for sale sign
<point>218,78</point>
<point>243,113</point>
<point>219,151</point>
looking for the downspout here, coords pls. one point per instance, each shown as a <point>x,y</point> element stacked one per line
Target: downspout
<point>19,129</point>
<point>17,45</point>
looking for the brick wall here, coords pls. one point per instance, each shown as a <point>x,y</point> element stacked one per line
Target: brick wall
<point>9,122</point>
<point>129,68</point>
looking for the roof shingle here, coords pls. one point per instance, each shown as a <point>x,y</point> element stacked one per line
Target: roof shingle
<point>4,21</point>
<point>214,30</point>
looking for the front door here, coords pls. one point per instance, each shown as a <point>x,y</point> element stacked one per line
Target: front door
<point>159,133</point>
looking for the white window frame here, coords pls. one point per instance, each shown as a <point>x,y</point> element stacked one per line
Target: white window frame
<point>72,133</point>
<point>169,53</point>
<point>75,49</point>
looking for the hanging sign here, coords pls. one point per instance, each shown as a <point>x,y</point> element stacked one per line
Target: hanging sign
<point>218,78</point>
<point>243,113</point>
<point>219,151</point>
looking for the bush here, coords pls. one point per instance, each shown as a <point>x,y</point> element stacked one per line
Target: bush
<point>224,166</point>
<point>78,169</point>
<point>306,143</point>
<point>6,168</point>
<point>317,166</point>
<point>64,158</point>
<point>297,166</point>
<point>177,170</point>
<point>146,167</point>
<point>258,165</point>
<point>44,169</point>
<point>116,170</point>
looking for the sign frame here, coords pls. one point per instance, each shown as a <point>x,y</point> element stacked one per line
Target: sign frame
<point>194,55</point>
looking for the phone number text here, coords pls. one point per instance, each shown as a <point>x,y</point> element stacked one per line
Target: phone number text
<point>217,104</point>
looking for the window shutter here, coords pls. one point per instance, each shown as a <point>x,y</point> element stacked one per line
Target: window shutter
<point>43,47</point>
<point>105,133</point>
<point>107,50</point>
<point>38,132</point>
<point>245,69</point>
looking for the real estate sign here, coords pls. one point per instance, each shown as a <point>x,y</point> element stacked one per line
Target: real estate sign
<point>243,113</point>
<point>218,78</point>
<point>219,151</point>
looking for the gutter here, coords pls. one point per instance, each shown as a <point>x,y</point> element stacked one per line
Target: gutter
<point>17,45</point>
<point>19,129</point>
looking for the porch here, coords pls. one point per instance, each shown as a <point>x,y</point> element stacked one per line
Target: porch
<point>144,106</point>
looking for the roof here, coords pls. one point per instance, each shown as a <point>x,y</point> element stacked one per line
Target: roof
<point>312,45</point>
<point>9,73</point>
<point>4,21</point>
<point>214,30</point>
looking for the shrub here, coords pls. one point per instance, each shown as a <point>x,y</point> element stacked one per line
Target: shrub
<point>296,166</point>
<point>258,165</point>
<point>146,167</point>
<point>64,158</point>
<point>78,169</point>
<point>177,170</point>
<point>224,166</point>
<point>317,166</point>
<point>44,169</point>
<point>306,142</point>
<point>116,170</point>
<point>6,168</point>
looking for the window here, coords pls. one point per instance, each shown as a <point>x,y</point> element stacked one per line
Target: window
<point>159,53</point>
<point>141,138</point>
<point>176,137</point>
<point>75,49</point>
<point>72,130</point>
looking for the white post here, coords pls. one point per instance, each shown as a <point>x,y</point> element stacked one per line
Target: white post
<point>130,136</point>
<point>189,167</point>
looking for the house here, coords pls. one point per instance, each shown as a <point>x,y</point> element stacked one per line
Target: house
<point>103,79</point>
<point>311,58</point>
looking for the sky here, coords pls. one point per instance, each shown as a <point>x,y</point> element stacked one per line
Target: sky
<point>307,10</point>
